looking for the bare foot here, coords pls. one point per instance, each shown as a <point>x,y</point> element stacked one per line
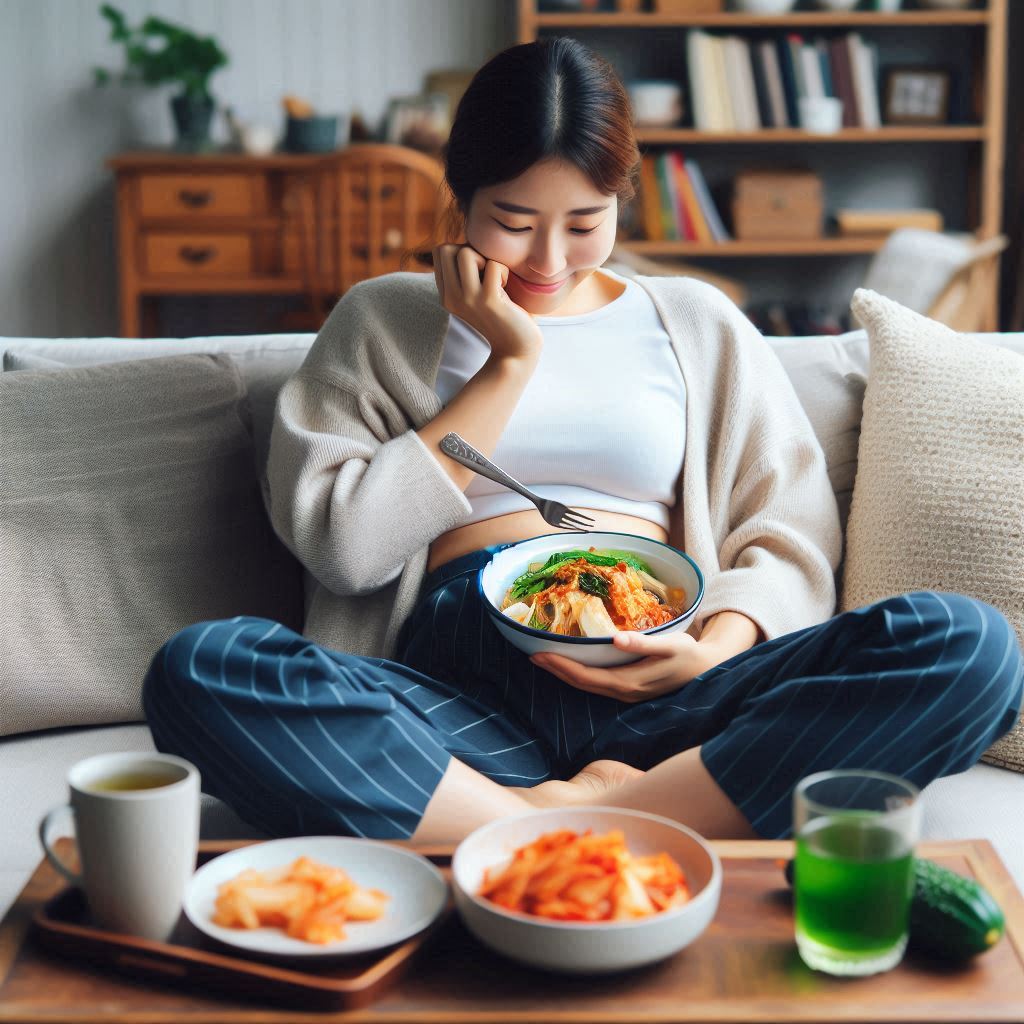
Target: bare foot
<point>590,786</point>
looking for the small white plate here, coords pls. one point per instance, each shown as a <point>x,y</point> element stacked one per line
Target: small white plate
<point>417,889</point>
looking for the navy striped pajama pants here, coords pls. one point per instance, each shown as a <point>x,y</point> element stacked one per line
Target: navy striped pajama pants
<point>299,739</point>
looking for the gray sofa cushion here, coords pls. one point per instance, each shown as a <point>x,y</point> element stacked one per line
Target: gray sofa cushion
<point>130,508</point>
<point>30,361</point>
<point>828,375</point>
<point>265,362</point>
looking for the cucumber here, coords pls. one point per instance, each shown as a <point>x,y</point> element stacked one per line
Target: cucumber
<point>951,916</point>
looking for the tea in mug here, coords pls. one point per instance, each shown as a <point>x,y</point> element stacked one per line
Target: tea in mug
<point>124,782</point>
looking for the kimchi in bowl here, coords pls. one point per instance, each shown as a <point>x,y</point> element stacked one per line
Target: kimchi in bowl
<point>568,593</point>
<point>586,946</point>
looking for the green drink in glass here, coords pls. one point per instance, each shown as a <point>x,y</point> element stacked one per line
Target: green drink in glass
<point>855,834</point>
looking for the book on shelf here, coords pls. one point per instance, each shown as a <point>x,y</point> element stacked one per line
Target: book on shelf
<point>873,79</point>
<point>745,61</point>
<point>675,201</point>
<point>721,101</point>
<point>839,58</point>
<point>795,45</point>
<point>864,85</point>
<point>707,204</point>
<point>764,109</point>
<point>687,220</point>
<point>741,85</point>
<point>700,79</point>
<point>696,215</point>
<point>828,86</point>
<point>814,83</point>
<point>650,204</point>
<point>670,228</point>
<point>789,83</point>
<point>773,83</point>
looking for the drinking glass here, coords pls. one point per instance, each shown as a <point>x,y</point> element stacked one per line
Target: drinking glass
<point>855,834</point>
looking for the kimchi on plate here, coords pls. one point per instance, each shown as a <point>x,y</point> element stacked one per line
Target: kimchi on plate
<point>592,593</point>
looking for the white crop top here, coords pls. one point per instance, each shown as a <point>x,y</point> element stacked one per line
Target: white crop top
<point>601,424</point>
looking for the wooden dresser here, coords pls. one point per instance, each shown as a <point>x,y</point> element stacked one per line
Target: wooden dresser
<point>231,224</point>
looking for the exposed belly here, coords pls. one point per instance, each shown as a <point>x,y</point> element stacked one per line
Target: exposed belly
<point>517,526</point>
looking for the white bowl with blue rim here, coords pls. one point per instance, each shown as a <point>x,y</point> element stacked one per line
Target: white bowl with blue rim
<point>669,565</point>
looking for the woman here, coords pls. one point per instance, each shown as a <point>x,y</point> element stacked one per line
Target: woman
<point>651,403</point>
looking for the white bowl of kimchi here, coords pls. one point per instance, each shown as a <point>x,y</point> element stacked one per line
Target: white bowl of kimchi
<point>582,915</point>
<point>570,593</point>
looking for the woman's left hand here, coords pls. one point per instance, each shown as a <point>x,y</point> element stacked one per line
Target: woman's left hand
<point>666,663</point>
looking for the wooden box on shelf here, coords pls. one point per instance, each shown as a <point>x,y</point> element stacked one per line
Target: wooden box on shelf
<point>682,7</point>
<point>881,222</point>
<point>777,204</point>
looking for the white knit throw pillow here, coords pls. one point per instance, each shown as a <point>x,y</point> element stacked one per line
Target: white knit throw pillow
<point>938,502</point>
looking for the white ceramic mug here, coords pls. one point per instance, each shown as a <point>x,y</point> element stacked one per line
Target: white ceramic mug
<point>137,845</point>
<point>821,115</point>
<point>656,102</point>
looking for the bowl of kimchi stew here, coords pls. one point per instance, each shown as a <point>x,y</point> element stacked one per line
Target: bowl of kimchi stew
<point>586,890</point>
<point>556,595</point>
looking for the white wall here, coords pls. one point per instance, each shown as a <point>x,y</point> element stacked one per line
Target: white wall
<point>57,269</point>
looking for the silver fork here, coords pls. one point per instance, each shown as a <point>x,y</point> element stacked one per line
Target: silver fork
<point>553,512</point>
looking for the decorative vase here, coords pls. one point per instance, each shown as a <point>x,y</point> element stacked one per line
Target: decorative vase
<point>192,117</point>
<point>315,134</point>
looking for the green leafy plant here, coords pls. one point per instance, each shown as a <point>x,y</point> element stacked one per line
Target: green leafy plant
<point>183,56</point>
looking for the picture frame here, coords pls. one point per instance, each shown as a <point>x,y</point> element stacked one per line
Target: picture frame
<point>421,122</point>
<point>917,95</point>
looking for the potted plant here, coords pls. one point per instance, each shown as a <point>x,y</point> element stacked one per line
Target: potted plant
<point>157,52</point>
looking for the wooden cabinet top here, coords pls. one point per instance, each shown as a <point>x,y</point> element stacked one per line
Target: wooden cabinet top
<point>169,159</point>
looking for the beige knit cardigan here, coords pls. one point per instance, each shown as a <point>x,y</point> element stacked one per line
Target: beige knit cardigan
<point>356,495</point>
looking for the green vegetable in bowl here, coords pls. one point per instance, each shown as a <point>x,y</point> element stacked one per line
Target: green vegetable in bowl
<point>537,580</point>
<point>593,584</point>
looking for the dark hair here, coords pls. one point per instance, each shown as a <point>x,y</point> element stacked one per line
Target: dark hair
<point>549,99</point>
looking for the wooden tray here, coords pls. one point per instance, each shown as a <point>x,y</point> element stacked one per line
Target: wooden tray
<point>744,968</point>
<point>191,959</point>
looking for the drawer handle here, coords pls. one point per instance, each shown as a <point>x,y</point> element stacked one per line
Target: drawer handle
<point>195,199</point>
<point>193,255</point>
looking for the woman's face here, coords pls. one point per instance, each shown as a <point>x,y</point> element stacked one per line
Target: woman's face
<point>549,226</point>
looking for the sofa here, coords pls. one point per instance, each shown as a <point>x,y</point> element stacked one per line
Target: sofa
<point>47,723</point>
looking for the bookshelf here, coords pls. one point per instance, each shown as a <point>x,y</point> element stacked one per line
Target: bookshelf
<point>977,146</point>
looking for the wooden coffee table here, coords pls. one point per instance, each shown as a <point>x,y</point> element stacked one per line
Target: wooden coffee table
<point>744,968</point>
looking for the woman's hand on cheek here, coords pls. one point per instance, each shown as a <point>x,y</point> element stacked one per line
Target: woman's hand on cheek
<point>666,663</point>
<point>473,288</point>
